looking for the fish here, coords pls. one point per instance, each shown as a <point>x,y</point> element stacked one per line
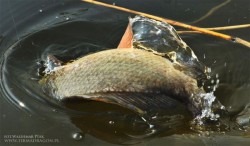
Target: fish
<point>131,78</point>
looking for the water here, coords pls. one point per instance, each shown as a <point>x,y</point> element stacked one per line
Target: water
<point>65,27</point>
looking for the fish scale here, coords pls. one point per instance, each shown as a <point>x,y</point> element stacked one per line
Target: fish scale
<point>100,76</point>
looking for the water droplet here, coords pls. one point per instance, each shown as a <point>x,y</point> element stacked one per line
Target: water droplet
<point>222,107</point>
<point>204,56</point>
<point>54,110</point>
<point>113,4</point>
<point>111,122</point>
<point>214,61</point>
<point>67,18</point>
<point>214,88</point>
<point>217,75</point>
<point>225,64</point>
<point>57,17</point>
<point>212,81</point>
<point>208,69</point>
<point>40,10</point>
<point>143,119</point>
<point>77,136</point>
<point>21,104</point>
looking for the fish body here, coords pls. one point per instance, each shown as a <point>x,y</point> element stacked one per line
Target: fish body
<point>132,78</point>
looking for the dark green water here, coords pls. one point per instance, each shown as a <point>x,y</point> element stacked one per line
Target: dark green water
<point>30,30</point>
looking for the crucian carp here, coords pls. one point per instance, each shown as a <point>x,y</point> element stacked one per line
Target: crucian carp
<point>134,78</point>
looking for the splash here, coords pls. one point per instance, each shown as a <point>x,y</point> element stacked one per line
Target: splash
<point>207,104</point>
<point>162,39</point>
<point>51,64</point>
<point>206,113</point>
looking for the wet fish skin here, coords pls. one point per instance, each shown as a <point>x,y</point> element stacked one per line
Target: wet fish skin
<point>122,70</point>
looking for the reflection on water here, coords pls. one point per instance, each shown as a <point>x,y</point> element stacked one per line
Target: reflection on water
<point>70,28</point>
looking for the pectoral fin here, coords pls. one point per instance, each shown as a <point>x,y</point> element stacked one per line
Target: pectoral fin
<point>138,102</point>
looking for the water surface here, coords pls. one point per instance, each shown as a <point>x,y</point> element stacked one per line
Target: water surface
<point>30,30</point>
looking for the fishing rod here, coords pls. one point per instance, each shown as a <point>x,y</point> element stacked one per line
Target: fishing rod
<point>176,23</point>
